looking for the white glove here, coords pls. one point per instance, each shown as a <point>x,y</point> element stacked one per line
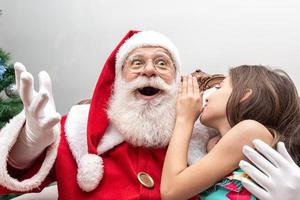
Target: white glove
<point>276,172</point>
<point>41,118</point>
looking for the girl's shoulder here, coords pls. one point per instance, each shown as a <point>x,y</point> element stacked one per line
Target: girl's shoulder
<point>251,129</point>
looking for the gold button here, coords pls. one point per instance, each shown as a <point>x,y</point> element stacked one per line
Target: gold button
<point>145,179</point>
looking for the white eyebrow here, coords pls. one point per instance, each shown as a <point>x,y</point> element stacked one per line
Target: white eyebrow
<point>160,52</point>
<point>133,56</point>
<point>156,53</point>
<point>137,54</point>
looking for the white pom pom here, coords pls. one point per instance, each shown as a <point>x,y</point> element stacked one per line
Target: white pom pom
<point>90,172</point>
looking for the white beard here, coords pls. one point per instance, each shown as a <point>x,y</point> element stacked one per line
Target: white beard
<point>143,123</point>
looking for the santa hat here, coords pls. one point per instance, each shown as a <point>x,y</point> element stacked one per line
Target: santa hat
<point>90,165</point>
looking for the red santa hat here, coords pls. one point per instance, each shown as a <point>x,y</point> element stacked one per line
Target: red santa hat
<point>90,165</point>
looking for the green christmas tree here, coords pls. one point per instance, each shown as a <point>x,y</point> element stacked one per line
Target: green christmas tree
<point>10,102</point>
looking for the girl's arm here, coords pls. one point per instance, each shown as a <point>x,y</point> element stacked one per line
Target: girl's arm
<point>182,182</point>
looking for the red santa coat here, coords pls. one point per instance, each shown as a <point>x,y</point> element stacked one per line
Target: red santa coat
<point>122,163</point>
<point>121,167</point>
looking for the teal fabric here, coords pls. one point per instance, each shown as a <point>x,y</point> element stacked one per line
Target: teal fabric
<point>229,188</point>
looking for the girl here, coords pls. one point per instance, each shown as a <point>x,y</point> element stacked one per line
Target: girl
<point>253,102</point>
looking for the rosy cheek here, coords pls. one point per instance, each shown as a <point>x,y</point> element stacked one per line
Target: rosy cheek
<point>168,78</point>
<point>128,76</point>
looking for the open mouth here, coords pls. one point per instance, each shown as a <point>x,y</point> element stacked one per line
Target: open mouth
<point>148,92</point>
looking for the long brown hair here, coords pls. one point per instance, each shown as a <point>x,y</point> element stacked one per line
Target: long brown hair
<point>274,102</point>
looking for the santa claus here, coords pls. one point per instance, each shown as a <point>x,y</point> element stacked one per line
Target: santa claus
<point>112,148</point>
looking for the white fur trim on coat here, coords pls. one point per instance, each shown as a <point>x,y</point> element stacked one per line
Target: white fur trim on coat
<point>90,166</point>
<point>8,137</point>
<point>197,147</point>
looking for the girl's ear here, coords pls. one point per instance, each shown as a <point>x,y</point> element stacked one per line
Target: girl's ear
<point>247,94</point>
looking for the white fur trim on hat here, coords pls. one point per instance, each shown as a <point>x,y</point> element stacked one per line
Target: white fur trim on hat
<point>90,172</point>
<point>8,137</point>
<point>147,38</point>
<point>90,166</point>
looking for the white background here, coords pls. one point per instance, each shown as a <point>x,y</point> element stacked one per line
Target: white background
<point>71,39</point>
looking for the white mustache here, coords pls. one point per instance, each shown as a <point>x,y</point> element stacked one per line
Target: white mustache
<point>141,82</point>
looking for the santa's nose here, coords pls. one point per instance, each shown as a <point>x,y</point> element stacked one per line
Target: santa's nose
<point>149,70</point>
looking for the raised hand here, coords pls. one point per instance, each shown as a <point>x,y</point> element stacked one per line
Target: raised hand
<point>276,175</point>
<point>39,106</point>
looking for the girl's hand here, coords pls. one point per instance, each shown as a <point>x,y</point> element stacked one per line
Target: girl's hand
<point>189,100</point>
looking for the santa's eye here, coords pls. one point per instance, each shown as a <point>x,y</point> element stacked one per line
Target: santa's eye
<point>136,62</point>
<point>161,63</point>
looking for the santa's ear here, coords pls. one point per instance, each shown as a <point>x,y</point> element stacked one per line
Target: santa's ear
<point>247,94</point>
